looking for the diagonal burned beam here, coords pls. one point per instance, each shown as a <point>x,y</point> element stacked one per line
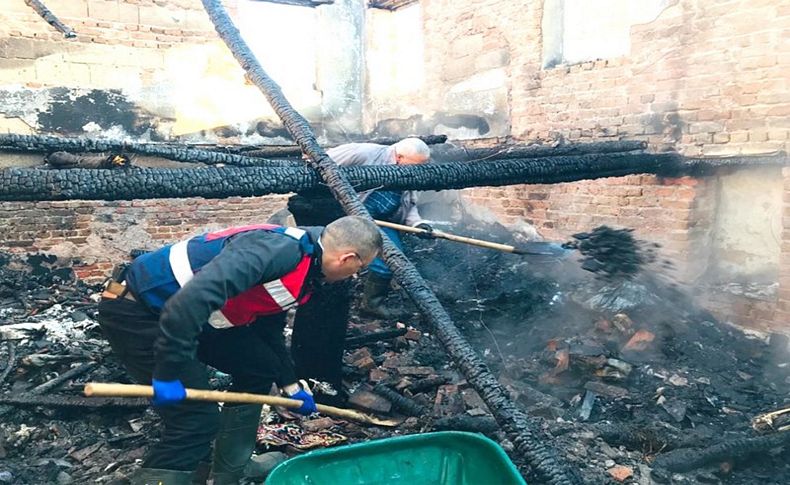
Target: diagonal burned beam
<point>211,182</point>
<point>51,19</point>
<point>529,440</point>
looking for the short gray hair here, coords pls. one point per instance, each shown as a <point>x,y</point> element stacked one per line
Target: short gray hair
<point>353,233</point>
<point>413,147</point>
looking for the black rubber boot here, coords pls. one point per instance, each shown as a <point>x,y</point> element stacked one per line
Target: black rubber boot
<point>377,288</point>
<point>235,442</point>
<point>156,476</point>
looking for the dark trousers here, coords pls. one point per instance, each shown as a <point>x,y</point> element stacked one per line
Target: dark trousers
<point>189,427</point>
<point>319,334</point>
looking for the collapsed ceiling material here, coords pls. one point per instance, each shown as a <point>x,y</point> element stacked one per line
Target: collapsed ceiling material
<point>529,440</point>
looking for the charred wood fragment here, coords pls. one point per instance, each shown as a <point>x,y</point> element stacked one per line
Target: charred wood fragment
<point>51,19</point>
<point>473,424</point>
<point>29,401</point>
<point>686,459</point>
<point>399,402</point>
<point>63,378</point>
<point>427,384</point>
<point>464,154</point>
<point>369,338</point>
<point>529,439</point>
<point>645,438</point>
<point>214,182</point>
<point>62,160</point>
<point>9,366</point>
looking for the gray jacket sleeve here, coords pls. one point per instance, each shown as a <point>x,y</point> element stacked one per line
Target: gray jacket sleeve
<point>247,259</point>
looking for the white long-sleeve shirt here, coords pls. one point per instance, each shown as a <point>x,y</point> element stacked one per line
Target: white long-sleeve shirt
<point>372,154</point>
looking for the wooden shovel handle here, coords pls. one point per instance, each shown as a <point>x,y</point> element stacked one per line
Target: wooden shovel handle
<point>100,389</point>
<point>451,237</point>
<point>133,390</point>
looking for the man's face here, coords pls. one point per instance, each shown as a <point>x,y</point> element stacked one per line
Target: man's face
<point>339,265</point>
<point>401,159</point>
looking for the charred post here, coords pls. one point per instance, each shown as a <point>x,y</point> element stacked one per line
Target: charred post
<point>51,19</point>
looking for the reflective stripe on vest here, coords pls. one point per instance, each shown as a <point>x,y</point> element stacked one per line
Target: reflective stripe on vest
<point>276,289</point>
<point>179,263</point>
<point>182,269</point>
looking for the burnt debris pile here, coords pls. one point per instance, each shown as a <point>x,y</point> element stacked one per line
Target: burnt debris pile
<point>631,377</point>
<point>613,253</point>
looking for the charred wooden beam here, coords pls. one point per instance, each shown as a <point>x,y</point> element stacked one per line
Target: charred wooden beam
<point>709,165</point>
<point>687,459</point>
<point>529,439</point>
<point>61,160</point>
<point>179,153</point>
<point>284,151</point>
<point>9,366</point>
<point>401,403</point>
<point>479,424</point>
<point>390,4</point>
<point>212,182</point>
<point>61,379</point>
<point>369,338</point>
<point>427,384</point>
<point>28,401</point>
<point>51,19</point>
<point>464,154</point>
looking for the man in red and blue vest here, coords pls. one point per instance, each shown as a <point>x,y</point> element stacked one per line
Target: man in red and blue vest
<point>220,299</point>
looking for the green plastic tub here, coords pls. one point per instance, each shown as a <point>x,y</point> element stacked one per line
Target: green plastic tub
<point>444,458</point>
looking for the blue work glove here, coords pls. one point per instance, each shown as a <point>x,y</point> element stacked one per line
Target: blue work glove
<point>168,392</point>
<point>308,404</point>
<point>425,227</point>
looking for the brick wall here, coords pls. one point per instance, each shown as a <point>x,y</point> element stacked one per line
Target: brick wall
<point>97,234</point>
<point>156,69</point>
<point>117,41</point>
<point>705,78</point>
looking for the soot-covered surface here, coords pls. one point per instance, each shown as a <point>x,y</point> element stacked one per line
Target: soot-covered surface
<point>621,364</point>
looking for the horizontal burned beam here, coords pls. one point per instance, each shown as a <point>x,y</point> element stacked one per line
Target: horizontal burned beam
<point>180,153</point>
<point>465,154</point>
<point>21,184</point>
<point>276,151</point>
<point>236,156</point>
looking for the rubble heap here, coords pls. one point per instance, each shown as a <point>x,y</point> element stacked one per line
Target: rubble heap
<point>634,383</point>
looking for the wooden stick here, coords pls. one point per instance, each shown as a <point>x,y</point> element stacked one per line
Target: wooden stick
<point>466,240</point>
<point>99,389</point>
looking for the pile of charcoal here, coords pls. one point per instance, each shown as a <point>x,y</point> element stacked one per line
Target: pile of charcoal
<point>613,253</point>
